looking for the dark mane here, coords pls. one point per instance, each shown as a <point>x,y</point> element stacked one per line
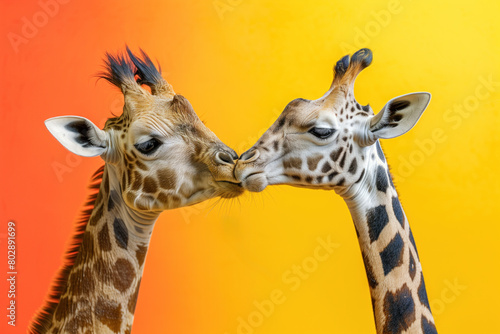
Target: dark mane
<point>146,71</point>
<point>129,72</point>
<point>43,318</point>
<point>118,70</point>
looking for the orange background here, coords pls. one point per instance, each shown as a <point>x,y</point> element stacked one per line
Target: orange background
<point>239,62</point>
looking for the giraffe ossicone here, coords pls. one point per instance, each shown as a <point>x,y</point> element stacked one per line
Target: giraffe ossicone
<point>332,143</point>
<point>158,155</point>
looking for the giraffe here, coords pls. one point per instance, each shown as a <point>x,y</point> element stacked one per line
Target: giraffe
<point>333,143</point>
<point>158,155</point>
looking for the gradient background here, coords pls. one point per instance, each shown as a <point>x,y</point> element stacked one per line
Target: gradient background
<point>240,62</point>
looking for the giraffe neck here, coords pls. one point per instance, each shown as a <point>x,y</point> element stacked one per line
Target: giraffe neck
<point>101,291</point>
<point>393,268</point>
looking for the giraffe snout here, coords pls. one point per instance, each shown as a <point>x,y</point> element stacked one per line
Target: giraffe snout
<point>250,155</point>
<point>224,157</point>
<point>249,171</point>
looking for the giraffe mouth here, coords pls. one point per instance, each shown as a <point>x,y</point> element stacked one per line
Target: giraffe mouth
<point>230,189</point>
<point>255,182</point>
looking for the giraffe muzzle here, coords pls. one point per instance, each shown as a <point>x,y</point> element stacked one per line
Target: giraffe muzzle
<point>250,156</point>
<point>224,158</point>
<point>252,177</point>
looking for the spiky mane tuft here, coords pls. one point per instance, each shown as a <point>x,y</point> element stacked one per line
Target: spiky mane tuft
<point>129,71</point>
<point>43,318</point>
<point>147,73</point>
<point>119,71</point>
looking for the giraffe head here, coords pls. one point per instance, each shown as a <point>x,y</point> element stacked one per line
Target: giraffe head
<point>328,143</point>
<point>159,151</point>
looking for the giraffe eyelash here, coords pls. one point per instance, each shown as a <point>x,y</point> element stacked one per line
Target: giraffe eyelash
<point>322,133</point>
<point>148,147</point>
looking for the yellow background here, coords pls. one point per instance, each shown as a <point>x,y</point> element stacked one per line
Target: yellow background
<point>240,62</point>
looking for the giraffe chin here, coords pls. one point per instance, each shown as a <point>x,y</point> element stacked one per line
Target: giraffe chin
<point>230,189</point>
<point>255,182</point>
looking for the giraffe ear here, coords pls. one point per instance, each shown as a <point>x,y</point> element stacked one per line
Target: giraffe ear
<point>78,135</point>
<point>399,115</point>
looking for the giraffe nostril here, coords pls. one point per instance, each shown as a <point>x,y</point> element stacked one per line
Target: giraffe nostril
<point>250,155</point>
<point>224,157</point>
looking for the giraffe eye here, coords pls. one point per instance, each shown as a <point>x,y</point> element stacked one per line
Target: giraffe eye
<point>322,133</point>
<point>148,147</point>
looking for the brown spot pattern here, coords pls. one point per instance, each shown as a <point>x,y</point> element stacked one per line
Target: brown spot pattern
<point>109,313</point>
<point>150,186</point>
<point>292,163</point>
<point>137,181</point>
<point>87,250</point>
<point>412,269</point>
<point>124,180</point>
<point>167,178</point>
<point>133,298</point>
<point>140,254</point>
<point>82,319</point>
<point>75,282</point>
<point>326,167</point>
<point>103,239</point>
<point>372,281</point>
<point>176,200</point>
<point>163,198</point>
<point>336,154</point>
<point>62,307</point>
<point>399,310</point>
<point>96,215</point>
<point>105,182</point>
<point>312,162</point>
<point>353,167</point>
<point>141,165</point>
<point>123,274</point>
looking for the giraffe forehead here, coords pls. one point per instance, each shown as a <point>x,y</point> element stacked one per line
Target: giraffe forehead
<point>156,110</point>
<point>304,114</point>
<point>149,126</point>
<point>301,114</point>
<point>152,125</point>
<point>348,108</point>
